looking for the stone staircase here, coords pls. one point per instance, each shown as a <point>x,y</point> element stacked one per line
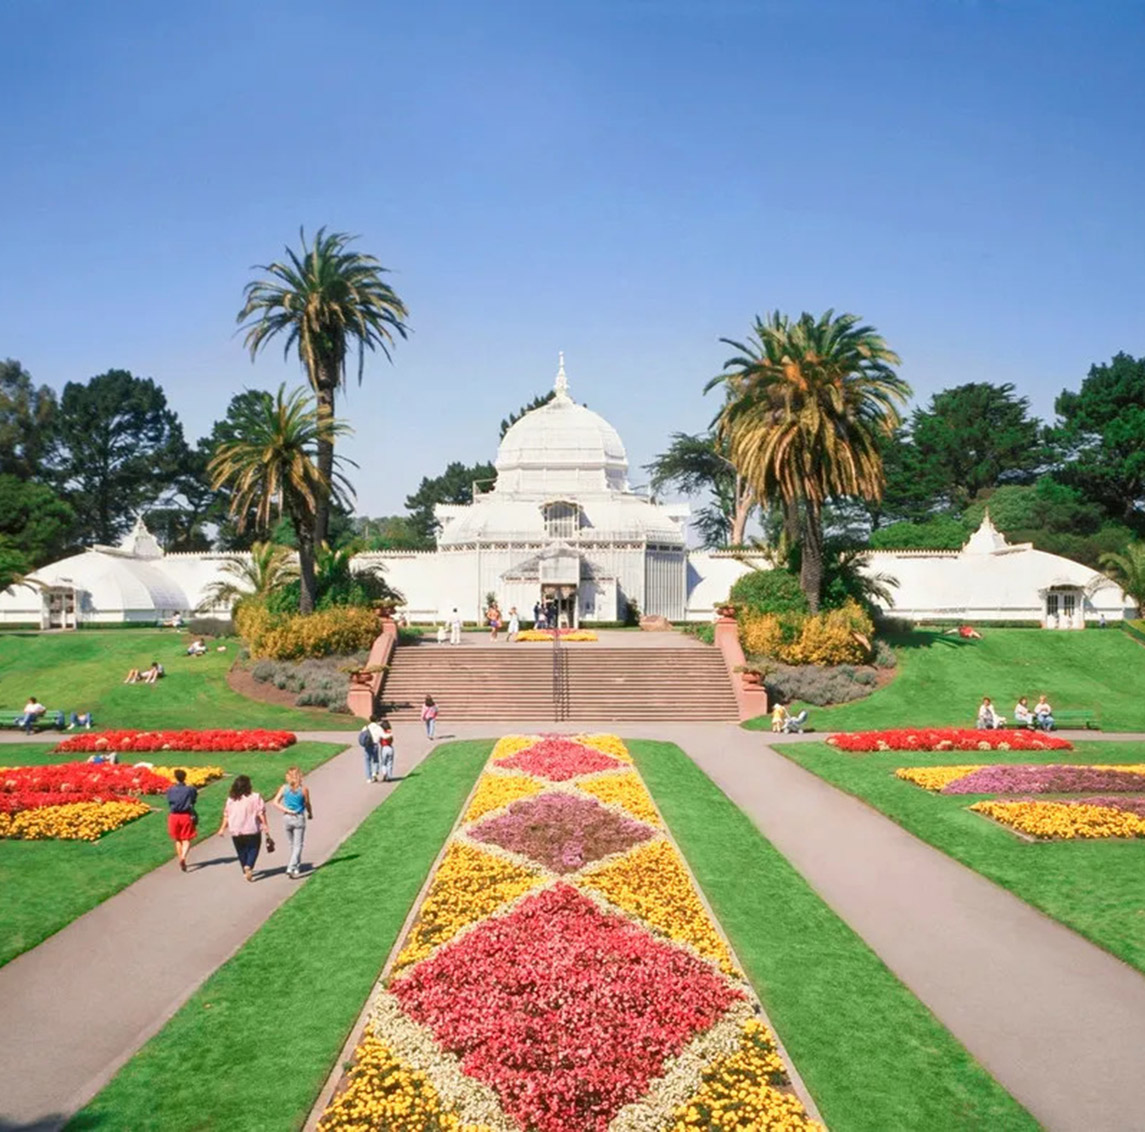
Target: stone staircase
<point>599,684</point>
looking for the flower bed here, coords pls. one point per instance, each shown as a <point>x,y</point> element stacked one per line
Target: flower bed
<point>948,739</point>
<point>563,974</point>
<point>528,635</point>
<point>215,740</point>
<point>81,781</point>
<point>1021,778</point>
<point>72,821</point>
<point>1088,818</point>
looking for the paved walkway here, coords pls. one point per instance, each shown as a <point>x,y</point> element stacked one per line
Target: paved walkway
<point>75,1008</point>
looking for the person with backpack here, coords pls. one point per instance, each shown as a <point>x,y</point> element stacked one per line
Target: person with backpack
<point>368,740</point>
<point>386,742</point>
<point>429,716</point>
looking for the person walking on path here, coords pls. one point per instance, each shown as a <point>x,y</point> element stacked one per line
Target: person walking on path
<point>514,625</point>
<point>368,738</point>
<point>387,744</point>
<point>429,717</point>
<point>455,627</point>
<point>244,818</point>
<point>293,799</point>
<point>182,818</point>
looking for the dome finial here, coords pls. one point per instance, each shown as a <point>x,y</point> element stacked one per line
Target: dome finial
<point>561,385</point>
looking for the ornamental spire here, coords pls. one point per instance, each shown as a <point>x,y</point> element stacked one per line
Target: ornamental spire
<point>561,385</point>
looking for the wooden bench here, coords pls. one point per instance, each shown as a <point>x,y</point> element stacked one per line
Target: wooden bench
<point>56,719</point>
<point>1077,719</point>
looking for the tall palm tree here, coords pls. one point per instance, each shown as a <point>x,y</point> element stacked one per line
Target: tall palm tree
<point>1127,569</point>
<point>264,569</point>
<point>325,299</point>
<point>806,404</point>
<point>272,464</point>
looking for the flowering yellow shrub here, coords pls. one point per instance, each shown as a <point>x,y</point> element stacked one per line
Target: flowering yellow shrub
<point>740,1092</point>
<point>76,821</point>
<point>761,634</point>
<point>383,1092</point>
<point>1059,820</point>
<point>839,636</point>
<point>497,790</point>
<point>934,777</point>
<point>610,744</point>
<point>624,790</point>
<point>651,883</point>
<point>197,776</point>
<point>342,629</point>
<point>468,886</point>
<point>507,746</point>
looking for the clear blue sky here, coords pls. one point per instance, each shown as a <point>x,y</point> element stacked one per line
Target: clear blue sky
<point>626,181</point>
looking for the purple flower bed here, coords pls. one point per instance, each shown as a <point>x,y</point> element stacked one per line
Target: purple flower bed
<point>1031,779</point>
<point>562,832</point>
<point>1128,805</point>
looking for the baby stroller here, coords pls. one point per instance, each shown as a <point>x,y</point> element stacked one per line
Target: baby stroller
<point>793,724</point>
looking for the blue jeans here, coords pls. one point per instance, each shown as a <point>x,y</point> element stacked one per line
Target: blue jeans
<point>387,763</point>
<point>430,727</point>
<point>247,846</point>
<point>371,751</point>
<point>294,825</point>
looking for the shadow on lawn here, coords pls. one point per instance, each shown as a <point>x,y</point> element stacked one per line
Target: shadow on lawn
<point>926,638</point>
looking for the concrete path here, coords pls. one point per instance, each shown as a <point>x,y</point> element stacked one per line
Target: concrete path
<point>75,1008</point>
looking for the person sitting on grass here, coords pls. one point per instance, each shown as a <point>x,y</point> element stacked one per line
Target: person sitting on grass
<point>197,648</point>
<point>1023,717</point>
<point>1044,714</point>
<point>133,676</point>
<point>33,709</point>
<point>101,757</point>
<point>81,719</point>
<point>988,718</point>
<point>153,674</point>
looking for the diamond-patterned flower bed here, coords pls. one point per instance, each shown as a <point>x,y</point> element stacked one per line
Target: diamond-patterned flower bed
<point>558,760</point>
<point>563,832</point>
<point>521,1001</point>
<point>566,1011</point>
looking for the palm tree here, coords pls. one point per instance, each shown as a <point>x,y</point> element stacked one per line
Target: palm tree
<point>325,299</point>
<point>273,464</point>
<point>807,403</point>
<point>1127,569</point>
<point>264,569</point>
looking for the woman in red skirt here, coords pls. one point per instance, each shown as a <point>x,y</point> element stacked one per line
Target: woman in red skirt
<point>182,819</point>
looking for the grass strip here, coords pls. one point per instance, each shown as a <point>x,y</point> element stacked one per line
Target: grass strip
<point>872,1055</point>
<point>1093,887</point>
<point>45,885</point>
<point>253,1046</point>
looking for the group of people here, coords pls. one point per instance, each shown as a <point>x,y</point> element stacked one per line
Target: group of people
<point>377,741</point>
<point>34,710</point>
<point>244,819</point>
<point>495,622</point>
<point>1040,717</point>
<point>150,675</point>
<point>545,615</point>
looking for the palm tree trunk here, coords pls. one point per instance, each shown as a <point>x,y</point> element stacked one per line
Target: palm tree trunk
<point>308,592</point>
<point>811,545</point>
<point>744,501</point>
<point>324,387</point>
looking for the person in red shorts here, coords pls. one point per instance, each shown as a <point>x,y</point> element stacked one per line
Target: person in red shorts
<point>182,819</point>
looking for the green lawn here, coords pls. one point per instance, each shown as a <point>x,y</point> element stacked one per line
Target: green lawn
<point>84,671</point>
<point>1095,887</point>
<point>44,885</point>
<point>253,1046</point>
<point>941,680</point>
<point>872,1055</point>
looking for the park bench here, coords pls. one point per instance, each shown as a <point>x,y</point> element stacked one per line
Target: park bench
<point>1077,719</point>
<point>56,719</point>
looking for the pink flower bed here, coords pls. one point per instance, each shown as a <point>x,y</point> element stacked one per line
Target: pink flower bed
<point>566,1011</point>
<point>948,739</point>
<point>561,831</point>
<point>1026,779</point>
<point>559,760</point>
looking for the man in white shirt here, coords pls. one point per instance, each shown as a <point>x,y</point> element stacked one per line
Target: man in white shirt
<point>33,709</point>
<point>455,627</point>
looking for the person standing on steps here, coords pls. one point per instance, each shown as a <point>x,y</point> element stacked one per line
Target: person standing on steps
<point>455,627</point>
<point>429,717</point>
<point>293,799</point>
<point>514,625</point>
<point>244,818</point>
<point>386,742</point>
<point>181,816</point>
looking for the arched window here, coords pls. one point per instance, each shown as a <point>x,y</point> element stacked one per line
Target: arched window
<point>562,519</point>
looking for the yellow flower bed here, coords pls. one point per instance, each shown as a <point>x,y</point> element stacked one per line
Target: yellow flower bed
<point>934,777</point>
<point>541,635</point>
<point>197,776</point>
<point>609,744</point>
<point>651,883</point>
<point>507,746</point>
<point>625,790</point>
<point>1129,768</point>
<point>497,790</point>
<point>468,886</point>
<point>383,1092</point>
<point>1058,820</point>
<point>739,1092</point>
<point>76,821</point>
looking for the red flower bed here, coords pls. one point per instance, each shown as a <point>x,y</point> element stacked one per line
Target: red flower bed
<point>559,760</point>
<point>566,1011</point>
<point>105,780</point>
<point>948,739</point>
<point>255,740</point>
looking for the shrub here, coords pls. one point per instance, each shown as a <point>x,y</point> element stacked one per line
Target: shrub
<point>318,682</point>
<point>762,635</point>
<point>343,629</point>
<point>839,636</point>
<point>702,630</point>
<point>211,627</point>
<point>817,685</point>
<point>884,655</point>
<point>769,591</point>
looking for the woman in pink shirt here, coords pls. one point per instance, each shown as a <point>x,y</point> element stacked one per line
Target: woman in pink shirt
<point>244,818</point>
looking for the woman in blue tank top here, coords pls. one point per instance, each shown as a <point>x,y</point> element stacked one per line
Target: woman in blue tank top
<point>293,799</point>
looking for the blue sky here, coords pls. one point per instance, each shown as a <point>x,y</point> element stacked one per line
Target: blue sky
<point>624,181</point>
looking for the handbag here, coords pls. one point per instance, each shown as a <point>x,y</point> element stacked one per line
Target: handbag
<point>269,843</point>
